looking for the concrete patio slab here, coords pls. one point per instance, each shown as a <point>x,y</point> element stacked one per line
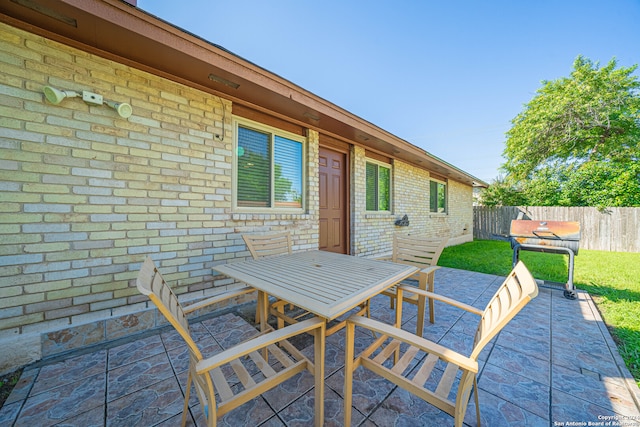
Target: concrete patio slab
<point>555,364</point>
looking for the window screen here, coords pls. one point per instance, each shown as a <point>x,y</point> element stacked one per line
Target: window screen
<point>288,172</point>
<point>254,169</point>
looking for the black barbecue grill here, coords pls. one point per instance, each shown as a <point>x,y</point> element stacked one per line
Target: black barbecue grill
<point>559,237</point>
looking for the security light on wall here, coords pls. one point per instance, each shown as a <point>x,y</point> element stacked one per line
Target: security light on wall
<point>124,110</point>
<point>55,96</point>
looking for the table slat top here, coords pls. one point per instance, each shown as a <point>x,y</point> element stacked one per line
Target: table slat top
<point>324,283</point>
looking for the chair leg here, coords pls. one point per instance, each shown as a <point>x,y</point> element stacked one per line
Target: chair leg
<point>420,321</point>
<point>367,312</point>
<point>475,395</point>
<point>432,315</point>
<point>187,394</point>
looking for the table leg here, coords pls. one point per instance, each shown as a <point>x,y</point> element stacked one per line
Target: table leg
<point>263,303</point>
<point>364,309</point>
<point>399,298</point>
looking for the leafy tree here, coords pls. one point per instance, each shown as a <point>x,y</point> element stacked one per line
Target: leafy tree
<point>545,187</point>
<point>577,142</point>
<point>501,193</point>
<point>603,184</point>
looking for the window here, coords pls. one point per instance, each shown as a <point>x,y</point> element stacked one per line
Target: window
<point>378,187</point>
<point>438,197</point>
<point>269,171</point>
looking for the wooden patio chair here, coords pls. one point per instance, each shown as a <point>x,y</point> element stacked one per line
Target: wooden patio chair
<point>266,245</point>
<point>422,252</point>
<point>435,373</point>
<point>241,373</point>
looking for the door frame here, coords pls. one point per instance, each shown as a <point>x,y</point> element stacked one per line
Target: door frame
<point>332,144</point>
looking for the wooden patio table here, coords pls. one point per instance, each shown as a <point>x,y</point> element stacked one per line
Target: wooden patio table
<point>323,283</point>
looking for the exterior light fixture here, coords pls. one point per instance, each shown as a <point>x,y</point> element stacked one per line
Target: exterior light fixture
<point>124,110</point>
<point>55,96</point>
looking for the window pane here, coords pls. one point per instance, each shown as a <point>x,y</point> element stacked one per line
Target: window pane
<point>433,196</point>
<point>384,190</point>
<point>442,198</point>
<point>254,171</point>
<point>372,187</point>
<point>288,172</point>
<point>437,197</point>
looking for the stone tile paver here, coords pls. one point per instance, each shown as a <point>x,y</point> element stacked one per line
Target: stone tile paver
<point>554,364</point>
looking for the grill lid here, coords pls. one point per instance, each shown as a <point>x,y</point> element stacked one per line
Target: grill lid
<point>552,230</point>
<point>565,234</point>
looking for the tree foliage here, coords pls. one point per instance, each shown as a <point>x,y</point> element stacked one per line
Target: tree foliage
<point>576,143</point>
<point>501,193</point>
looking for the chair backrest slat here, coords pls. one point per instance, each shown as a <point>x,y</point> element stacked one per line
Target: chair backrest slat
<point>515,292</point>
<point>420,251</point>
<point>267,245</point>
<point>151,284</point>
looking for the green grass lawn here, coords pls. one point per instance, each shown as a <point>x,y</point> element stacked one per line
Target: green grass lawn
<point>612,279</point>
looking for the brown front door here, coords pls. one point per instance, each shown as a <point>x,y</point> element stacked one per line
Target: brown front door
<point>333,201</point>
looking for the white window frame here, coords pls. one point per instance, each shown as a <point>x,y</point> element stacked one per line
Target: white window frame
<point>272,131</point>
<point>387,166</point>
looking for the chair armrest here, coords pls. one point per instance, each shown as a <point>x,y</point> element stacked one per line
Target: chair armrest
<point>427,346</point>
<point>429,270</point>
<point>218,298</point>
<point>442,298</point>
<point>259,343</point>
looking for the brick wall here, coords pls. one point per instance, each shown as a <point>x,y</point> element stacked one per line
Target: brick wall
<point>372,232</point>
<point>85,196</point>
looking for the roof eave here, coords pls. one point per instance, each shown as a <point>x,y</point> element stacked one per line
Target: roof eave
<point>117,30</point>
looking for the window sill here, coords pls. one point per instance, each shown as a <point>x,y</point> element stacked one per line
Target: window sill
<point>378,215</point>
<point>244,216</point>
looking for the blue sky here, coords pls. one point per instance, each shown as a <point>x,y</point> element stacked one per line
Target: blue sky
<point>447,76</point>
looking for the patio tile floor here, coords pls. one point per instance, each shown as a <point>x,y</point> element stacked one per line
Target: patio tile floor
<point>555,364</point>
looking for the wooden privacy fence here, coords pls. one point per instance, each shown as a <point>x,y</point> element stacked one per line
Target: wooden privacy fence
<point>615,230</point>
